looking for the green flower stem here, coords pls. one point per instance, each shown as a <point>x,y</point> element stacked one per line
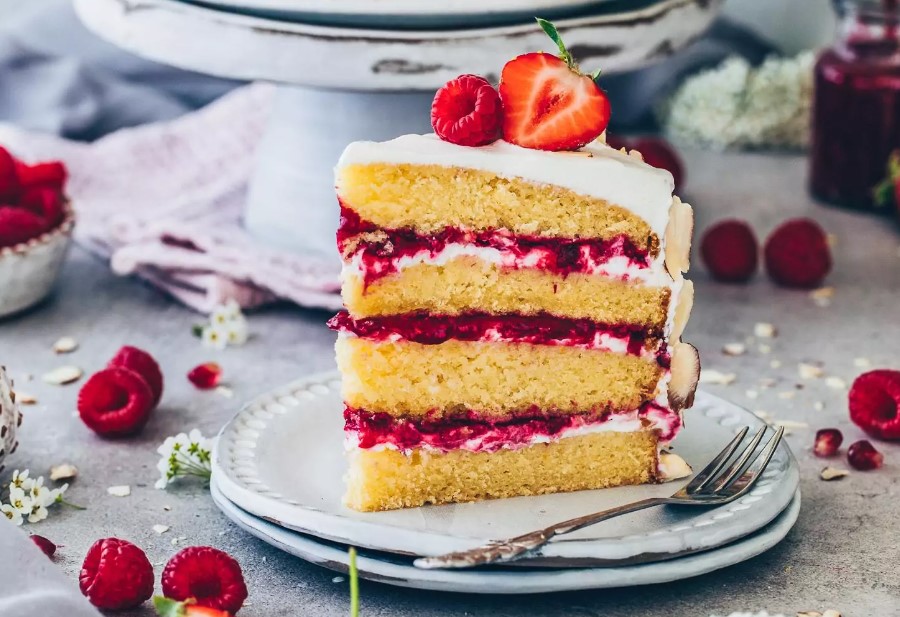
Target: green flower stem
<point>354,584</point>
<point>63,502</point>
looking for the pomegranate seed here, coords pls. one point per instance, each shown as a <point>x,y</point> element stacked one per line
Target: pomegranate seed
<point>862,455</point>
<point>828,440</point>
<point>205,376</point>
<point>44,544</point>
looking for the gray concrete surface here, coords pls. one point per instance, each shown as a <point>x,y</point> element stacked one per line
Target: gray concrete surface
<point>842,554</point>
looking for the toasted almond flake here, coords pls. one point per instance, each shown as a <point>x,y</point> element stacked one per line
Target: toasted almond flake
<point>862,362</point>
<point>24,398</point>
<point>636,154</point>
<point>819,406</point>
<point>789,424</point>
<point>65,471</point>
<point>63,375</point>
<point>822,292</point>
<point>767,382</point>
<point>751,394</point>
<point>712,376</point>
<point>775,363</point>
<point>161,529</point>
<point>734,349</point>
<point>764,349</point>
<point>835,382</point>
<point>673,467</point>
<point>809,614</point>
<point>601,138</point>
<point>765,330</point>
<point>810,371</point>
<point>831,613</point>
<point>584,154</point>
<point>119,491</point>
<point>225,391</point>
<point>833,473</point>
<point>787,394</point>
<point>65,345</point>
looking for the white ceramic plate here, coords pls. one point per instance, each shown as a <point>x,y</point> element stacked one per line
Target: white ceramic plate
<point>409,13</point>
<point>281,458</point>
<point>396,570</point>
<point>248,47</point>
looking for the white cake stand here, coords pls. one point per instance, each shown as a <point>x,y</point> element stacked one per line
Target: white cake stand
<point>341,84</point>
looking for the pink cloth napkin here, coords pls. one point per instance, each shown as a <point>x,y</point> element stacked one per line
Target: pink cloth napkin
<point>163,201</point>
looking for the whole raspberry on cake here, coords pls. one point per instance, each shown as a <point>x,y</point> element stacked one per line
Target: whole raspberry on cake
<point>513,314</point>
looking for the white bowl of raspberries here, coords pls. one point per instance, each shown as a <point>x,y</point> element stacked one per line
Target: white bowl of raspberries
<point>36,222</point>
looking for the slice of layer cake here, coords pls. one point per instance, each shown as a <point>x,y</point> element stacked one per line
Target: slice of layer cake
<point>513,315</point>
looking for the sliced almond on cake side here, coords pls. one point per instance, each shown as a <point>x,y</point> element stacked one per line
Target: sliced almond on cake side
<point>682,310</point>
<point>685,372</point>
<point>678,237</point>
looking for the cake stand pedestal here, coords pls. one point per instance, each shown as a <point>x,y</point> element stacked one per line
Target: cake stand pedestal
<point>343,84</point>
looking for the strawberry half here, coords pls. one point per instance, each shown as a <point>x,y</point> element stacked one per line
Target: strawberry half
<point>548,103</point>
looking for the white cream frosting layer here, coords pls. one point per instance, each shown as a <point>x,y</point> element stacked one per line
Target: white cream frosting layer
<point>619,267</point>
<point>607,174</point>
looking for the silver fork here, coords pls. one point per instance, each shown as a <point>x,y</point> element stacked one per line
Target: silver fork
<point>713,486</point>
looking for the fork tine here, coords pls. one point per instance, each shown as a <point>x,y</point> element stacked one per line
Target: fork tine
<point>716,465</point>
<point>757,468</point>
<point>729,475</point>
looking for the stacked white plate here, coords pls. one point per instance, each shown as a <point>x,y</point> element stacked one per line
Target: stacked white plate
<point>278,467</point>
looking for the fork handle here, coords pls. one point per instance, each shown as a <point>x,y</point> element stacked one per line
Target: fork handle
<point>507,550</point>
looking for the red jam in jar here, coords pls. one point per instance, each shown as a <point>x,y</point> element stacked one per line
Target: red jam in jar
<point>856,113</point>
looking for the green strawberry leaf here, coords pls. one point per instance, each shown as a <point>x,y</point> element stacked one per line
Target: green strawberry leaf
<point>884,192</point>
<point>167,607</point>
<point>554,35</point>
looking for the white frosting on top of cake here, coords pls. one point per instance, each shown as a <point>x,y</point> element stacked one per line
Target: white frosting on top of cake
<point>607,174</point>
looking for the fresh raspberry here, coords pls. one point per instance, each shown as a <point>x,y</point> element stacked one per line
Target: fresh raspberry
<point>44,544</point>
<point>167,607</point>
<point>209,576</point>
<point>863,456</point>
<point>730,251</point>
<point>9,180</point>
<point>45,202</point>
<point>115,402</point>
<point>828,441</point>
<point>144,365</point>
<point>660,153</point>
<point>116,575</point>
<point>467,111</point>
<point>18,225</point>
<point>52,175</point>
<point>797,254</point>
<point>205,376</point>
<point>875,403</point>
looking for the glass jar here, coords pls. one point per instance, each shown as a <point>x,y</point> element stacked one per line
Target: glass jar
<point>856,112</point>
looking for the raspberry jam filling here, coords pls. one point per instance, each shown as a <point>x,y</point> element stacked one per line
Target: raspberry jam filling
<point>479,434</point>
<point>379,258</point>
<point>540,329</point>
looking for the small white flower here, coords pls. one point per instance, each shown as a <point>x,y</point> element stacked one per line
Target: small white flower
<point>57,493</point>
<point>21,480</point>
<point>215,337</point>
<point>40,495</point>
<point>184,455</point>
<point>237,332</point>
<point>20,500</point>
<point>11,513</point>
<point>38,513</point>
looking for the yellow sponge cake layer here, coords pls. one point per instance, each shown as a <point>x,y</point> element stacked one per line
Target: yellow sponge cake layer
<point>387,479</point>
<point>468,284</point>
<point>429,198</point>
<point>495,379</point>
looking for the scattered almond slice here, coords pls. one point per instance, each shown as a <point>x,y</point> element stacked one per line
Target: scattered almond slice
<point>810,371</point>
<point>65,471</point>
<point>836,383</point>
<point>65,345</point>
<point>789,424</point>
<point>862,362</point>
<point>819,406</point>
<point>831,613</point>
<point>787,394</point>
<point>809,614</point>
<point>734,349</point>
<point>765,416</point>
<point>767,382</point>
<point>225,391</point>
<point>712,376</point>
<point>775,363</point>
<point>24,398</point>
<point>63,375</point>
<point>119,491</point>
<point>751,394</point>
<point>673,467</point>
<point>833,473</point>
<point>161,529</point>
<point>764,349</point>
<point>765,330</point>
